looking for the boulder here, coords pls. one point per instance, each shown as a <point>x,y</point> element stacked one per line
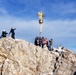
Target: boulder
<point>19,57</point>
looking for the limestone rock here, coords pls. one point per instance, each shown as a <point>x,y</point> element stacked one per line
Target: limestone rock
<point>19,57</point>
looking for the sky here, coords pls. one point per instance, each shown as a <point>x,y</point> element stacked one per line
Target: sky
<point>59,22</point>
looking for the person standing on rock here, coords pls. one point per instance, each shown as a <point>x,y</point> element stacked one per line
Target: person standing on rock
<point>42,42</point>
<point>50,44</point>
<point>12,31</point>
<point>37,41</point>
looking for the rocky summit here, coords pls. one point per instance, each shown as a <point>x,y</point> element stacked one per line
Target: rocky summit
<point>19,57</point>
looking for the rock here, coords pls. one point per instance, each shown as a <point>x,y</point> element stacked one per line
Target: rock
<point>19,57</point>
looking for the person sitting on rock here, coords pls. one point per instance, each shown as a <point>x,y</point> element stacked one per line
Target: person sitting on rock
<point>12,32</point>
<point>4,33</point>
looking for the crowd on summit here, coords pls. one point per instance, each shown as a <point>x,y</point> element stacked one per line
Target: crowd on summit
<point>43,41</point>
<point>12,32</point>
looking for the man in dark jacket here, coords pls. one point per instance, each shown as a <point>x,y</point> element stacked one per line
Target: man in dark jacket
<point>50,44</point>
<point>12,32</point>
<point>4,33</point>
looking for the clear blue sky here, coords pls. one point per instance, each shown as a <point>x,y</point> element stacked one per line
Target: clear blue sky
<point>59,21</point>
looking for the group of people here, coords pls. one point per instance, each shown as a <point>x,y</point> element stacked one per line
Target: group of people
<point>43,41</point>
<point>12,32</point>
<point>39,41</point>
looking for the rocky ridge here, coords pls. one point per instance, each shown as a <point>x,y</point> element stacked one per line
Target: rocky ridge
<point>19,57</point>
